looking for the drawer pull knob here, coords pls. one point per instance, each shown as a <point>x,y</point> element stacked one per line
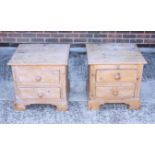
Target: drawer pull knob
<point>117,76</point>
<point>40,95</point>
<point>115,92</point>
<point>38,78</point>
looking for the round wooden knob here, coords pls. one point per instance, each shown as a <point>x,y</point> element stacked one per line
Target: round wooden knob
<point>40,95</point>
<point>117,76</point>
<point>115,92</point>
<point>38,78</point>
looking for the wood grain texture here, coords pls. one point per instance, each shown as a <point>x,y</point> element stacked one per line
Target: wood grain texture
<point>41,54</point>
<point>36,82</point>
<point>115,73</point>
<point>114,53</point>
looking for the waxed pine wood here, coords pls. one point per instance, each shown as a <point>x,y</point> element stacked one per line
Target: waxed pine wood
<point>40,75</point>
<point>115,73</point>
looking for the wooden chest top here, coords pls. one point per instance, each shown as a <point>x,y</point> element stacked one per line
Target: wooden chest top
<point>114,53</point>
<point>41,54</point>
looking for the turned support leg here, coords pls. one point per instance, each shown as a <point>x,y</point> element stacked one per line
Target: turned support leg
<point>93,105</point>
<point>19,107</point>
<point>134,105</point>
<point>62,107</point>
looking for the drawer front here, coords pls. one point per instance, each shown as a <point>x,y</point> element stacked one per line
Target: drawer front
<point>39,93</point>
<point>29,75</point>
<point>104,76</point>
<point>115,92</point>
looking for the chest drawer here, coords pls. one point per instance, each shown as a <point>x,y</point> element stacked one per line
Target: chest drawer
<point>115,92</point>
<point>37,75</point>
<point>39,93</point>
<point>106,75</point>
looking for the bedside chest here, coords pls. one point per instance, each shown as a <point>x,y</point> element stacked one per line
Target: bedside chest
<point>40,75</point>
<point>115,73</point>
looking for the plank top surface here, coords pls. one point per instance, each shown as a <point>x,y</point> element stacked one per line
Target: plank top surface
<point>41,54</point>
<point>114,53</point>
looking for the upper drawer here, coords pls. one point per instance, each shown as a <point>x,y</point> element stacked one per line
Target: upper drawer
<point>37,74</point>
<point>115,75</point>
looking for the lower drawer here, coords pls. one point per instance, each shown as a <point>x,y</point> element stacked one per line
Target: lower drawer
<point>115,92</point>
<point>39,93</point>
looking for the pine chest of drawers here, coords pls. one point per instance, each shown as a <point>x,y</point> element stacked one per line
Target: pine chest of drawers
<point>40,75</point>
<point>115,73</point>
